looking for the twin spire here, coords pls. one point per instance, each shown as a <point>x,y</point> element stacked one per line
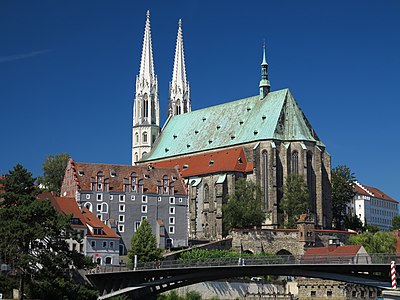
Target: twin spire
<point>179,90</point>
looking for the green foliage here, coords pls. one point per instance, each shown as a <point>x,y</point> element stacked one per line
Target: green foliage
<point>353,222</point>
<point>173,295</point>
<point>371,228</point>
<point>53,172</point>
<point>144,244</point>
<point>243,209</point>
<point>396,223</point>
<point>342,193</point>
<point>378,242</point>
<point>204,254</point>
<point>33,236</point>
<point>295,199</point>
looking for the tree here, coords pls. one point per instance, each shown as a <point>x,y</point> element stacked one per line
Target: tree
<point>295,200</point>
<point>144,244</point>
<point>379,242</point>
<point>53,172</point>
<point>342,193</point>
<point>33,238</point>
<point>353,222</point>
<point>243,209</point>
<point>371,228</point>
<point>396,223</point>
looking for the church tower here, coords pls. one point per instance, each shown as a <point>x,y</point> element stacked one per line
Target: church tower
<point>146,109</point>
<point>179,90</point>
<point>264,82</point>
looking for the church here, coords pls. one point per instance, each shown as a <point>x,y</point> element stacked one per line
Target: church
<point>261,138</point>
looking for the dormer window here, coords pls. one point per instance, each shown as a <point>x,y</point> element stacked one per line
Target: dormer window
<point>165,184</point>
<point>100,181</point>
<point>133,181</point>
<point>97,231</point>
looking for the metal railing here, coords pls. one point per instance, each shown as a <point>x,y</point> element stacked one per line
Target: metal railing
<point>255,261</point>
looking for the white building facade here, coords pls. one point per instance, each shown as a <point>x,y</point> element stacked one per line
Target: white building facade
<point>374,207</point>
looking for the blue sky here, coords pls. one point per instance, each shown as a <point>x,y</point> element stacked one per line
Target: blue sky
<point>67,73</point>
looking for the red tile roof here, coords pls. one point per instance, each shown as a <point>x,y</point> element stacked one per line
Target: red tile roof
<point>366,190</point>
<point>152,176</point>
<point>69,206</point>
<point>233,159</point>
<point>334,250</point>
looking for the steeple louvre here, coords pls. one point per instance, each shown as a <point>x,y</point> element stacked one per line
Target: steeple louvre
<point>179,89</point>
<point>146,107</point>
<point>264,82</point>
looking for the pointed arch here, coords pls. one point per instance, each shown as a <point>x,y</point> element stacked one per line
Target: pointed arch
<point>295,162</point>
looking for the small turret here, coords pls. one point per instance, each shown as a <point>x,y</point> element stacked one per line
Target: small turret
<point>264,82</point>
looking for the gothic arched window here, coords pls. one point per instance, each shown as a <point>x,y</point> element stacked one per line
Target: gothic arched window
<point>295,162</point>
<point>206,193</point>
<point>311,180</point>
<point>137,137</point>
<point>145,137</point>
<point>136,156</point>
<point>265,178</point>
<point>145,106</point>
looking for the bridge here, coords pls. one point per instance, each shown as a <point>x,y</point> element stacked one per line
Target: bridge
<point>146,280</point>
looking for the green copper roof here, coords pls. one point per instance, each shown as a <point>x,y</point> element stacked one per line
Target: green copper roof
<point>277,116</point>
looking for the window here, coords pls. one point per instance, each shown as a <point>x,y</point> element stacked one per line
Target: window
<point>171,200</point>
<point>111,197</point>
<point>144,218</point>
<point>121,198</point>
<point>100,217</point>
<point>145,106</point>
<point>295,162</point>
<point>144,209</point>
<point>145,137</point>
<point>171,220</point>
<point>137,137</point>
<point>133,197</point>
<point>100,181</point>
<point>313,293</point>
<point>206,193</point>
<point>171,210</point>
<point>104,244</point>
<point>93,243</point>
<point>121,218</point>
<point>121,228</point>
<point>171,229</point>
<point>265,179</point>
<point>111,245</point>
<point>133,181</point>
<point>159,199</point>
<point>89,206</point>
<point>137,224</point>
<point>165,184</point>
<point>329,293</point>
<point>97,231</point>
<point>122,207</point>
<point>169,243</point>
<point>180,200</point>
<point>144,199</point>
<point>354,294</point>
<point>87,196</point>
<point>108,260</point>
<point>104,207</point>
<point>140,186</point>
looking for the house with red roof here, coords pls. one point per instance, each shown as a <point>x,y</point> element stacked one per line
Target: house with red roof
<point>124,195</point>
<point>373,206</point>
<point>334,252</point>
<point>98,240</point>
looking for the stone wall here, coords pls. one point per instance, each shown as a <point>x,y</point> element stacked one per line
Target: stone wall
<point>281,241</point>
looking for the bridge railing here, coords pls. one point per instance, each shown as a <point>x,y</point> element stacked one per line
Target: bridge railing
<point>257,261</point>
